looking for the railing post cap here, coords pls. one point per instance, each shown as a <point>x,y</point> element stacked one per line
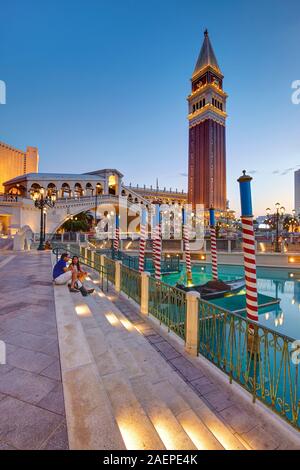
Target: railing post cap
<point>118,261</point>
<point>193,295</point>
<point>145,274</point>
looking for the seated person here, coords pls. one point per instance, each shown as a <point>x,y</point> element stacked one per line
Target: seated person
<point>48,245</point>
<point>62,273</point>
<point>81,273</point>
<point>76,266</point>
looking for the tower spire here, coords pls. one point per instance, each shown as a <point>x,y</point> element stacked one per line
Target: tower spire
<point>206,57</point>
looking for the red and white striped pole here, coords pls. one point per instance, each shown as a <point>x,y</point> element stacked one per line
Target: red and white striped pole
<point>186,246</point>
<point>248,247</point>
<point>213,243</point>
<point>117,235</point>
<point>142,240</point>
<point>157,244</point>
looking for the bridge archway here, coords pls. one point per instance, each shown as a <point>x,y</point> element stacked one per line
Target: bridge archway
<point>65,190</point>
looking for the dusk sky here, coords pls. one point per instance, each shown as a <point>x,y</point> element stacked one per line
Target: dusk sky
<point>103,84</point>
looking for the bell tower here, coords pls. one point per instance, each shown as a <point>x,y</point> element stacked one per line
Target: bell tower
<point>207,146</point>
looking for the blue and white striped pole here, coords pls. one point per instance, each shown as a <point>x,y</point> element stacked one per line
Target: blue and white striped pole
<point>248,246</point>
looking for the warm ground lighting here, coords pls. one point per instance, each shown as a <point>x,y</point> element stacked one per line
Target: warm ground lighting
<point>165,433</point>
<point>127,324</point>
<point>83,310</point>
<point>111,317</point>
<point>131,435</point>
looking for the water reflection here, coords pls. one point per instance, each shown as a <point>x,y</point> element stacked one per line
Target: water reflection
<point>283,284</point>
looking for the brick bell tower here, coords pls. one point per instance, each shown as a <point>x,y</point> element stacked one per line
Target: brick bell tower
<point>207,148</point>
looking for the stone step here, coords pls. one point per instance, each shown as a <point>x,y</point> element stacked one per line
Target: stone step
<point>90,418</point>
<point>116,366</point>
<point>156,369</point>
<point>114,356</point>
<point>135,426</point>
<point>169,429</point>
<point>146,369</point>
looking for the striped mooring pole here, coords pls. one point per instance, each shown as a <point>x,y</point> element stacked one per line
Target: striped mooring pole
<point>157,244</point>
<point>213,243</point>
<point>186,247</point>
<point>248,247</point>
<point>142,246</point>
<point>117,235</point>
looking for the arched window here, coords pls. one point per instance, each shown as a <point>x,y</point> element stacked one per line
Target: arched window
<point>51,189</point>
<point>89,189</point>
<point>112,184</point>
<point>65,190</point>
<point>18,190</point>
<point>123,193</point>
<point>78,191</point>
<point>35,187</point>
<point>99,188</point>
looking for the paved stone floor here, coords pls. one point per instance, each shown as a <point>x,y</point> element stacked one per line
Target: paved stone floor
<point>32,414</point>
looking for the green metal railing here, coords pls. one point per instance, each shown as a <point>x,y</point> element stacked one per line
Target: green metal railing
<point>168,305</point>
<point>111,269</point>
<point>131,283</point>
<point>259,359</point>
<point>168,264</point>
<point>89,255</point>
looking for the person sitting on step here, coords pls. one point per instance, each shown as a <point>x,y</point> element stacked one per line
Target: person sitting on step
<point>63,273</point>
<point>81,274</point>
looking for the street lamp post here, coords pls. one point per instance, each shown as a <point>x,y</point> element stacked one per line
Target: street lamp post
<point>98,185</point>
<point>294,223</point>
<point>275,219</point>
<point>41,202</point>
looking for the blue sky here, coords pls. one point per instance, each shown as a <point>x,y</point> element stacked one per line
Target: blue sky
<point>97,84</point>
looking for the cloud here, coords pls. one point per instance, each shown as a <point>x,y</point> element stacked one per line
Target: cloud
<point>288,170</point>
<point>252,172</point>
<point>183,174</point>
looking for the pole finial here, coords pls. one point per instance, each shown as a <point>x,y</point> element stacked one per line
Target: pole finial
<point>244,177</point>
<point>206,32</point>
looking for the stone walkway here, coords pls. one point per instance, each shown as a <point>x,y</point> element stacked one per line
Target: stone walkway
<point>117,380</point>
<point>32,414</point>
